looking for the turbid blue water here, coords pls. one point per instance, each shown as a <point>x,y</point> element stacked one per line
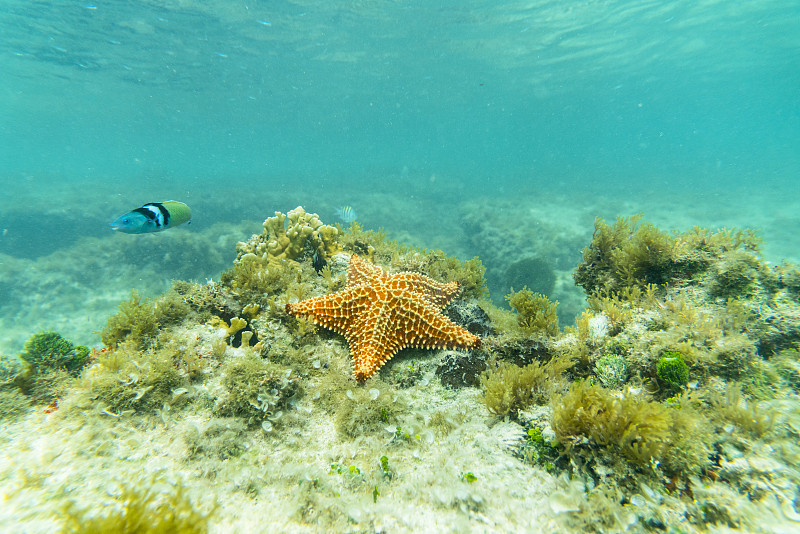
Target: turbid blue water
<point>402,110</point>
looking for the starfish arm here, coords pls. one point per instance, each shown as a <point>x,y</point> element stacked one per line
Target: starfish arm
<point>336,312</point>
<point>374,347</point>
<point>362,272</point>
<point>435,293</point>
<point>421,325</point>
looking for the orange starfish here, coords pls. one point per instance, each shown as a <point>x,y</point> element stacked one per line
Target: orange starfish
<point>379,314</point>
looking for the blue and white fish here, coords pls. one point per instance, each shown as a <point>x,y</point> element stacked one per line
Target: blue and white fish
<point>153,217</point>
<point>346,214</point>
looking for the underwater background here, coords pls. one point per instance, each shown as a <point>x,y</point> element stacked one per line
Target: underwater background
<point>496,129</point>
<point>420,116</point>
<point>406,111</point>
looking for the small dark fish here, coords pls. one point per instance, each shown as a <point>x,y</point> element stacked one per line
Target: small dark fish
<point>153,217</point>
<point>317,261</point>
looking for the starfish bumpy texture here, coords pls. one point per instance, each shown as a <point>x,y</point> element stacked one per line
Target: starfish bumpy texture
<point>379,314</point>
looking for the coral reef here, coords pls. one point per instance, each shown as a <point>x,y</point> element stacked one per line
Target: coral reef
<point>672,403</point>
<point>292,236</point>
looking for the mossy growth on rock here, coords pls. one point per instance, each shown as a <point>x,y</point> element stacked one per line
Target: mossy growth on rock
<point>611,370</point>
<point>255,389</point>
<point>787,366</point>
<point>732,407</point>
<point>51,363</point>
<point>672,371</point>
<point>366,411</point>
<point>629,253</point>
<point>675,436</point>
<point>127,379</point>
<point>508,387</point>
<point>735,275</point>
<point>12,401</point>
<point>139,320</point>
<point>535,312</point>
<point>223,438</point>
<point>153,506</point>
<point>256,278</point>
<point>48,351</point>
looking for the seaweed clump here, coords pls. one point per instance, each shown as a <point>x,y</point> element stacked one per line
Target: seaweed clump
<point>535,312</point>
<point>157,507</point>
<point>367,411</point>
<point>637,428</point>
<point>255,389</point>
<point>629,253</point>
<point>52,362</point>
<point>140,320</point>
<point>49,350</point>
<point>672,371</point>
<point>126,379</point>
<point>644,432</point>
<point>509,388</point>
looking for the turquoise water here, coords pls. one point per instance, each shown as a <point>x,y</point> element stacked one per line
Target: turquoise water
<point>496,129</point>
<point>407,111</point>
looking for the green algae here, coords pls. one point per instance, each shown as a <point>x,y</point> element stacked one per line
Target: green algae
<point>144,507</point>
<point>672,371</point>
<point>50,366</point>
<point>535,312</point>
<point>631,253</point>
<point>48,350</point>
<point>131,380</point>
<point>140,320</point>
<point>611,370</point>
<point>508,387</point>
<point>255,389</point>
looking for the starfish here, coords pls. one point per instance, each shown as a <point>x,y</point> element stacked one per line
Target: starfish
<point>379,314</point>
